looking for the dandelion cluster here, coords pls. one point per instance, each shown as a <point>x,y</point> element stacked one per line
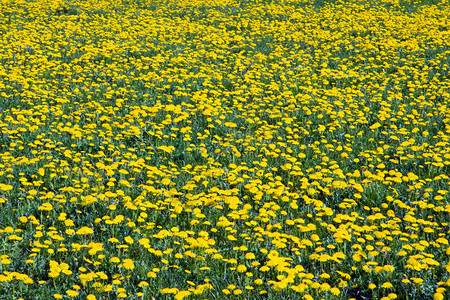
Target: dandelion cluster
<point>224,149</point>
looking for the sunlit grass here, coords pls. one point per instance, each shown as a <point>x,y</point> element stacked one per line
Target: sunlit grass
<point>224,149</point>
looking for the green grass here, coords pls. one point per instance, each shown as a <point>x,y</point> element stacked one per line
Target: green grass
<point>204,141</point>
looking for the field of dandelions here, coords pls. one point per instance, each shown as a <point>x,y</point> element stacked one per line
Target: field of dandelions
<point>224,149</point>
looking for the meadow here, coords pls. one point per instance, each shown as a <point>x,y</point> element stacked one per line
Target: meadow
<point>226,149</point>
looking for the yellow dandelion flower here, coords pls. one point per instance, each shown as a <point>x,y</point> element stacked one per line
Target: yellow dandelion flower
<point>241,268</point>
<point>128,264</point>
<point>438,296</point>
<point>181,295</point>
<point>71,293</point>
<point>387,285</point>
<point>84,231</point>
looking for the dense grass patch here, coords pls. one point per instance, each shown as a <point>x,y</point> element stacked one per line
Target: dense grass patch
<point>224,149</point>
